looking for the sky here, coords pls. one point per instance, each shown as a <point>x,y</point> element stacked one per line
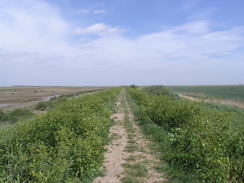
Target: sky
<point>121,42</point>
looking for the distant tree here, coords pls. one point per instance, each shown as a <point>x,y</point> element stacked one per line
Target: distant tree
<point>133,86</point>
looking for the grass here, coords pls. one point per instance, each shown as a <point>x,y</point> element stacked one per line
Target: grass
<point>160,143</point>
<point>224,92</point>
<point>236,113</point>
<point>235,92</point>
<point>130,180</point>
<point>131,158</point>
<point>134,170</point>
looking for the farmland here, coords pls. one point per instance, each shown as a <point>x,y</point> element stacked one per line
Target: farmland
<point>124,134</point>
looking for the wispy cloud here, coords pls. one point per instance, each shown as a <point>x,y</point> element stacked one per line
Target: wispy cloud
<point>99,29</point>
<point>90,10</point>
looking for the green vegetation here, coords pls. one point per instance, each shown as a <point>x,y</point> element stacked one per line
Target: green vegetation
<point>15,115</point>
<point>134,171</point>
<point>64,145</point>
<point>198,141</point>
<point>236,113</point>
<point>235,92</point>
<point>133,86</point>
<point>160,90</point>
<point>47,105</point>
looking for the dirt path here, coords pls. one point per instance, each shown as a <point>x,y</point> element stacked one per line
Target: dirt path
<point>128,158</point>
<point>213,100</point>
<point>114,157</point>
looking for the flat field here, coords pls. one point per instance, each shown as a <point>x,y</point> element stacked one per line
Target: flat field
<point>18,96</point>
<point>235,92</point>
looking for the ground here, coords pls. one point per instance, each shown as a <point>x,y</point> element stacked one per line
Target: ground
<point>128,158</point>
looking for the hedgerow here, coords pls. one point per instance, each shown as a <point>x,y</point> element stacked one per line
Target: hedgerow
<point>200,140</point>
<point>64,145</point>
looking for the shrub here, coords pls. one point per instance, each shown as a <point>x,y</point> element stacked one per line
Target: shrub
<point>64,145</point>
<point>201,140</point>
<point>15,115</point>
<point>42,106</point>
<point>3,116</point>
<point>160,90</point>
<point>133,86</point>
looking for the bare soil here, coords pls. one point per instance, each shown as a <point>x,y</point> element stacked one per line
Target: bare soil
<point>114,157</point>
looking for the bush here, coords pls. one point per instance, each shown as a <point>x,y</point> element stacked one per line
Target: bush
<point>15,115</point>
<point>133,86</point>
<point>42,106</point>
<point>3,116</point>
<point>160,90</point>
<point>168,113</point>
<point>201,140</point>
<point>64,145</point>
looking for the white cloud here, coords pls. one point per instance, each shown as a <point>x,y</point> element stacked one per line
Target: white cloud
<point>98,29</point>
<point>37,46</point>
<point>38,28</point>
<point>195,27</point>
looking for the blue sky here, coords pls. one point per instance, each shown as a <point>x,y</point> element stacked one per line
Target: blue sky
<point>120,42</point>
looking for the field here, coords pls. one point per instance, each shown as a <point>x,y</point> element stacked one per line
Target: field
<point>223,94</point>
<point>123,134</point>
<point>235,92</point>
<point>28,96</point>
